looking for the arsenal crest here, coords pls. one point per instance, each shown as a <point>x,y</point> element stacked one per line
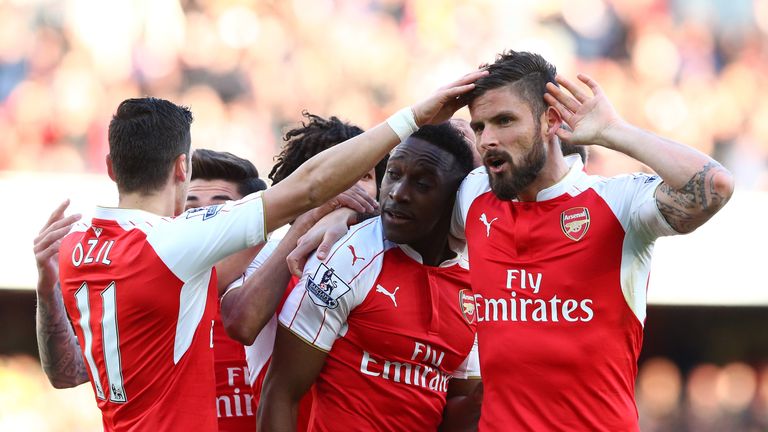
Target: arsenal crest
<point>467,305</point>
<point>575,222</point>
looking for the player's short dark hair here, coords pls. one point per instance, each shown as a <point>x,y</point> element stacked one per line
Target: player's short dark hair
<point>145,136</point>
<point>448,138</point>
<point>528,72</point>
<point>215,165</point>
<point>312,137</point>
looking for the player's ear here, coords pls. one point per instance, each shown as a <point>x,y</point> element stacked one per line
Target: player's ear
<point>552,121</point>
<point>110,169</point>
<point>181,168</point>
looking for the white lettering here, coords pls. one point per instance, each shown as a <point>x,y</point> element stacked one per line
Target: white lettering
<point>540,314</point>
<point>526,279</point>
<point>106,260</point>
<point>568,307</point>
<point>496,304</point>
<point>365,362</point>
<point>231,374</point>
<point>227,407</point>
<point>92,243</point>
<point>414,374</point>
<point>587,309</point>
<point>554,309</point>
<point>77,255</point>
<point>397,366</point>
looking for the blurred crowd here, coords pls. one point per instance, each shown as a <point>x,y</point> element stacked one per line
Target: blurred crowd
<point>687,69</point>
<point>707,398</point>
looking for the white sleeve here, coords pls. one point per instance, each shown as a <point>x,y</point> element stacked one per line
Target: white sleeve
<point>474,185</point>
<point>470,368</point>
<point>198,238</point>
<point>261,258</point>
<point>318,306</point>
<point>632,199</point>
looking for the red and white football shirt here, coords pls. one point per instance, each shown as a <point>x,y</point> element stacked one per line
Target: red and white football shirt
<point>235,405</point>
<point>560,285</point>
<point>396,330</point>
<point>139,291</point>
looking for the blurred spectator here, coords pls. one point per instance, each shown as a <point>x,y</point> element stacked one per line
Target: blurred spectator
<point>689,70</point>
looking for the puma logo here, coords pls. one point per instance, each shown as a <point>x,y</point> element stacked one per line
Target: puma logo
<point>484,220</point>
<point>354,255</point>
<point>384,291</point>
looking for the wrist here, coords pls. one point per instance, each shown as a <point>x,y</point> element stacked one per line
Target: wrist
<point>403,123</point>
<point>615,134</point>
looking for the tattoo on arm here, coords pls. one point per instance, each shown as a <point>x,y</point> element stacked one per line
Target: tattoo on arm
<point>688,207</point>
<point>60,353</point>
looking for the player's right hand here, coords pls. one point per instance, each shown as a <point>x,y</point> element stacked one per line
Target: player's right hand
<point>48,241</point>
<point>445,102</point>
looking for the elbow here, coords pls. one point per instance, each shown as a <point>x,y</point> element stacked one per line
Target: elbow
<point>723,185</point>
<point>238,332</point>
<point>63,383</point>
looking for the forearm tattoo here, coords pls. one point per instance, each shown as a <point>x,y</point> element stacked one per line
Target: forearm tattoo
<point>60,353</point>
<point>688,207</point>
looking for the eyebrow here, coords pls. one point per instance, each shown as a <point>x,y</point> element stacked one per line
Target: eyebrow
<point>222,197</point>
<point>475,124</point>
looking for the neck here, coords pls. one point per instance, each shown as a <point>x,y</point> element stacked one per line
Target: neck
<point>555,169</point>
<point>159,203</point>
<point>434,248</point>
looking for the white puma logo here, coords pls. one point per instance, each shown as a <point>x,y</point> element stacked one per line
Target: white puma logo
<point>384,291</point>
<point>484,220</point>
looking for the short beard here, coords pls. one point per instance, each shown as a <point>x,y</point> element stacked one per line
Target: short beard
<point>507,185</point>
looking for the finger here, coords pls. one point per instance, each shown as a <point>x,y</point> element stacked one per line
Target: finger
<point>591,83</point>
<point>52,241</point>
<point>65,222</point>
<point>569,85</point>
<point>325,246</point>
<point>56,214</point>
<point>48,252</point>
<point>296,261</point>
<point>450,94</point>
<point>562,97</point>
<point>564,134</point>
<point>56,231</point>
<point>468,78</point>
<point>352,203</point>
<point>565,113</point>
<point>360,197</point>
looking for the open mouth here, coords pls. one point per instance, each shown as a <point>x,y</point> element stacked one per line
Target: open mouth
<point>495,164</point>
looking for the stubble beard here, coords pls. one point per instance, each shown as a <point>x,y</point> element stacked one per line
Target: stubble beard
<point>508,184</point>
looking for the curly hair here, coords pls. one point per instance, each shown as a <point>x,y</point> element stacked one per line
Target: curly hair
<point>313,136</point>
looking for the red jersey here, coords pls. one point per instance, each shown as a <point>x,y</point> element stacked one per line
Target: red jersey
<point>396,331</point>
<point>560,286</point>
<point>139,291</point>
<point>235,405</point>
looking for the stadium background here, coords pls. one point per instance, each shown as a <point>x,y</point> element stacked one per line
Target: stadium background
<point>693,70</point>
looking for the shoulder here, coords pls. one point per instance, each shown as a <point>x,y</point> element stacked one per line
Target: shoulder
<point>363,242</point>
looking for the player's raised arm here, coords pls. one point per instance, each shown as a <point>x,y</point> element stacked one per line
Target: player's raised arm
<point>695,185</point>
<point>59,351</point>
<point>334,170</point>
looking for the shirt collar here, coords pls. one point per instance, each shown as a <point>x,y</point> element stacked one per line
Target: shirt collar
<point>575,174</point>
<point>411,252</point>
<point>123,215</point>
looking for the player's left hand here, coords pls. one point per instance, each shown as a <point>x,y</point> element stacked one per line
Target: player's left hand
<point>590,117</point>
<point>442,104</point>
<point>46,244</point>
<point>321,236</point>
